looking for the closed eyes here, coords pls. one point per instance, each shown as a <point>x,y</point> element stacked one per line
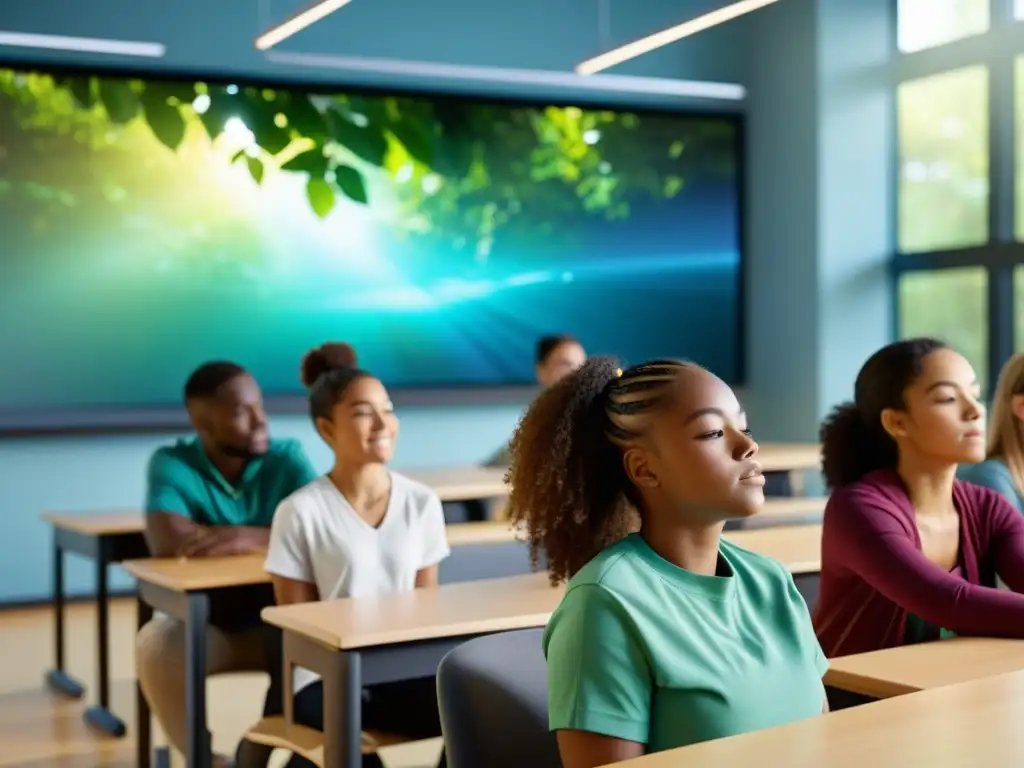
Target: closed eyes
<point>720,433</point>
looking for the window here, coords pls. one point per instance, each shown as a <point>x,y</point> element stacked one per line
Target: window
<point>952,305</point>
<point>924,24</point>
<point>943,158</point>
<point>1018,9</point>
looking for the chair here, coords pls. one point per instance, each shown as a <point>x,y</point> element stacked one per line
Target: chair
<point>273,732</point>
<point>492,694</point>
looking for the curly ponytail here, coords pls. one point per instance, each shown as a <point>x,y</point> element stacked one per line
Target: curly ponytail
<point>569,485</point>
<point>850,448</point>
<point>853,440</point>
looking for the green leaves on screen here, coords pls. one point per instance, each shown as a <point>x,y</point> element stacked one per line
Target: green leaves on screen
<point>321,197</point>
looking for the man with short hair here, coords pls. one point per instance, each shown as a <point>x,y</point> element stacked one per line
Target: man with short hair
<point>207,496</point>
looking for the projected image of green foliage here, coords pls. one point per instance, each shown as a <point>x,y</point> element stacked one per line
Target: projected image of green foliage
<point>455,167</point>
<point>149,224</point>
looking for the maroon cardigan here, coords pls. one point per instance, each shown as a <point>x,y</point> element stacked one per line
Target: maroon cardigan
<point>873,571</point>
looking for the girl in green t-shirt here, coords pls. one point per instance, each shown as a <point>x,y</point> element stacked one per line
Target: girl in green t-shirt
<point>668,634</point>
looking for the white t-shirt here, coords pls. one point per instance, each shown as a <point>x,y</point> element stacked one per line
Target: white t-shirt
<point>317,537</point>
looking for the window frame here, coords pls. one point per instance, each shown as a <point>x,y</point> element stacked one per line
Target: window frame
<point>997,50</point>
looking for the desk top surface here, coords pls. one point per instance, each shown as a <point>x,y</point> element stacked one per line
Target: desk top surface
<point>492,605</point>
<point>910,668</point>
<point>784,457</point>
<point>205,573</point>
<point>98,523</point>
<point>798,547</point>
<point>451,484</point>
<point>783,508</point>
<point>451,610</point>
<point>972,724</point>
<point>462,483</point>
<point>182,574</point>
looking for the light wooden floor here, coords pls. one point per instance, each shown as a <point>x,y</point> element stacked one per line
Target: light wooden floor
<point>42,730</point>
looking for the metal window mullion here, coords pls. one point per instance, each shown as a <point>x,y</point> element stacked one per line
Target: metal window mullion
<point>1001,319</point>
<point>1000,12</point>
<point>1002,135</point>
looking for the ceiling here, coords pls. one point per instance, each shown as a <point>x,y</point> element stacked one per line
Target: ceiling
<point>216,35</point>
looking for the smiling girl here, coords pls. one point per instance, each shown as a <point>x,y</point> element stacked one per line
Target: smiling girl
<point>910,553</point>
<point>360,530</point>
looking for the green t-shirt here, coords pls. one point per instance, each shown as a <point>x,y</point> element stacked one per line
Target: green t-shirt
<point>181,480</point>
<point>644,651</point>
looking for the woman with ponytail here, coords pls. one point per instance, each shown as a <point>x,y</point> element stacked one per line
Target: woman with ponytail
<point>360,530</point>
<point>668,634</point>
<point>909,553</point>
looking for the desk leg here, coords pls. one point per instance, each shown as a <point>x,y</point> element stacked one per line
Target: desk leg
<point>57,679</point>
<point>143,717</point>
<point>343,712</point>
<point>198,744</point>
<point>100,717</point>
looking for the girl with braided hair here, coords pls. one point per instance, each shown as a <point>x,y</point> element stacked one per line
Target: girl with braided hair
<point>668,634</point>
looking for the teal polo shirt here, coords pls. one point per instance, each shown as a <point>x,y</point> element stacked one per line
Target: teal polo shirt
<point>182,480</point>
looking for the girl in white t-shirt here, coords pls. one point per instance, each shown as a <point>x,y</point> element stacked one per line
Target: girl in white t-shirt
<point>360,530</point>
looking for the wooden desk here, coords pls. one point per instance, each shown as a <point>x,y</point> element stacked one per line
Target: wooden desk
<point>789,457</point>
<point>357,642</point>
<point>973,725</point>
<point>107,538</point>
<point>462,483</point>
<point>912,668</point>
<point>203,573</point>
<point>184,588</point>
<point>798,547</point>
<point>783,511</point>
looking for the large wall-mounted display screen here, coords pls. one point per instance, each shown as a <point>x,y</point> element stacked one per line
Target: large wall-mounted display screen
<point>148,225</point>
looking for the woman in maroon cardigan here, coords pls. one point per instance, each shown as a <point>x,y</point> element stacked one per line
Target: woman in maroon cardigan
<point>909,553</point>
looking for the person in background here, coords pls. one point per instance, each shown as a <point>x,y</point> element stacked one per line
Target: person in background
<point>557,355</point>
<point>909,553</point>
<point>207,496</point>
<point>1003,468</point>
<point>668,634</point>
<point>360,530</point>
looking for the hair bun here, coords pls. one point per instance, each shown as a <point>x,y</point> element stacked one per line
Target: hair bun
<point>330,356</point>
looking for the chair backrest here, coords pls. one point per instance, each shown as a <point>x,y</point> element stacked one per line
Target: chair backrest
<point>493,699</point>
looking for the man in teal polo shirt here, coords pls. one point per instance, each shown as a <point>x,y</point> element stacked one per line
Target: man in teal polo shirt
<point>207,496</point>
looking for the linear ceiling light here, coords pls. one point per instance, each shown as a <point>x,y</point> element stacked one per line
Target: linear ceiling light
<point>82,44</point>
<point>666,36</point>
<point>298,22</point>
<point>517,78</point>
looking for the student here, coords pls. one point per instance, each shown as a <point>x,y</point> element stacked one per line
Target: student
<point>359,531</point>
<point>212,495</point>
<point>668,634</point>
<point>909,553</point>
<point>556,356</point>
<point>1003,469</point>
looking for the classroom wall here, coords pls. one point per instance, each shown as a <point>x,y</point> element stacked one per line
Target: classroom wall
<point>107,472</point>
<point>820,205</point>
